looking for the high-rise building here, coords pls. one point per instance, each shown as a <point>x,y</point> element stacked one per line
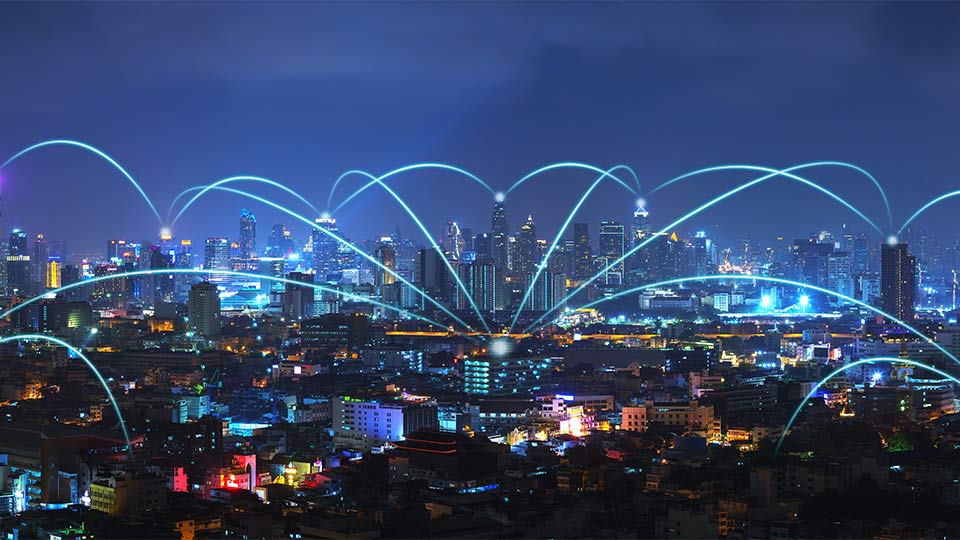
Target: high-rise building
<point>582,253</point>
<point>162,285</point>
<point>115,249</point>
<point>216,256</point>
<point>203,309</point>
<point>386,254</point>
<point>281,241</point>
<point>499,232</point>
<point>840,273</point>
<point>433,276</point>
<point>898,280</point>
<point>248,235</point>
<point>18,263</point>
<point>326,252</point>
<point>484,283</point>
<point>298,299</point>
<point>548,291</point>
<point>611,249</point>
<point>453,241</point>
<point>41,253</point>
<point>526,259</point>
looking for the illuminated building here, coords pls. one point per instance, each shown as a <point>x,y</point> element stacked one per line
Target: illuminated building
<point>484,283</point>
<point>484,375</point>
<point>115,249</point>
<point>216,256</point>
<point>298,299</point>
<point>41,254</point>
<point>18,263</point>
<point>689,415</point>
<point>333,331</point>
<point>128,494</point>
<point>386,254</point>
<point>248,235</point>
<point>434,278</point>
<point>610,249</point>
<point>365,422</point>
<point>52,274</point>
<point>582,253</point>
<point>898,280</point>
<point>548,292</point>
<point>203,309</point>
<point>840,273</point>
<point>499,234</point>
<point>526,260</point>
<point>280,242</point>
<point>453,241</point>
<point>326,251</point>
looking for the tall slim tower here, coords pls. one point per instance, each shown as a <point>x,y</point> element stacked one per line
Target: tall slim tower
<point>248,235</point>
<point>499,236</point>
<point>527,252</point>
<point>898,280</point>
<point>582,252</point>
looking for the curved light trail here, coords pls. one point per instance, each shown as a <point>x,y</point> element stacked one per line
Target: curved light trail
<point>821,382</point>
<point>415,166</point>
<point>740,277</point>
<point>924,208</point>
<point>242,178</point>
<point>682,219</point>
<point>575,165</point>
<point>193,271</point>
<point>436,248</point>
<point>556,240</point>
<point>99,153</point>
<point>93,368</point>
<point>862,171</point>
<point>351,247</point>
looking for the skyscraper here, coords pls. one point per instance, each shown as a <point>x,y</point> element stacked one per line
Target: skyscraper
<point>248,235</point>
<point>41,253</point>
<point>216,256</point>
<point>898,280</point>
<point>386,254</point>
<point>484,282</point>
<point>326,255</point>
<point>582,253</point>
<point>526,261</point>
<point>203,309</point>
<point>610,251</point>
<point>499,236</point>
<point>18,263</point>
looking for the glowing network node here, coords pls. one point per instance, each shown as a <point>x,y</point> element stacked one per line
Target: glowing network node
<point>501,347</point>
<point>892,240</point>
<point>804,301</point>
<point>325,215</point>
<point>765,301</point>
<point>876,377</point>
<point>641,202</point>
<point>500,196</point>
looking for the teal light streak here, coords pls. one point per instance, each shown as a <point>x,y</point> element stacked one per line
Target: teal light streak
<point>924,208</point>
<point>241,178</point>
<point>821,382</point>
<point>558,237</point>
<point>740,277</point>
<point>575,165</point>
<point>96,151</point>
<point>415,166</point>
<point>682,219</point>
<point>93,368</point>
<point>862,171</point>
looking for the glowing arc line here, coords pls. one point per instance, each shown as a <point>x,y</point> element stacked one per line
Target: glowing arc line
<point>741,277</point>
<point>241,178</point>
<point>925,207</point>
<point>840,370</point>
<point>883,194</point>
<point>99,153</point>
<point>575,165</point>
<point>556,241</point>
<point>406,168</point>
<point>90,365</point>
<point>677,222</point>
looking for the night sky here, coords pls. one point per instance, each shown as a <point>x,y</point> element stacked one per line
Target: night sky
<point>184,94</point>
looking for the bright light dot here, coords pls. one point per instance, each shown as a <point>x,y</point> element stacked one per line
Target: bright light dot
<point>325,215</point>
<point>501,347</point>
<point>876,376</point>
<point>165,231</point>
<point>641,202</point>
<point>500,196</point>
<point>93,330</point>
<point>892,240</point>
<point>804,301</point>
<point>765,301</point>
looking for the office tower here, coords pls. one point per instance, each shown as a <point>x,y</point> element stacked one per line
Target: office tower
<point>41,253</point>
<point>861,255</point>
<point>453,241</point>
<point>499,232</point>
<point>216,256</point>
<point>18,263</point>
<point>386,254</point>
<point>505,375</point>
<point>326,253</point>
<point>638,265</point>
<point>434,278</point>
<point>162,285</point>
<point>548,292</point>
<point>203,309</point>
<point>811,258</point>
<point>248,235</point>
<point>898,280</point>
<point>840,273</point>
<point>582,253</point>
<point>298,299</point>
<point>526,259</point>
<point>703,257</point>
<point>484,282</point>
<point>610,251</point>
<point>483,245</point>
